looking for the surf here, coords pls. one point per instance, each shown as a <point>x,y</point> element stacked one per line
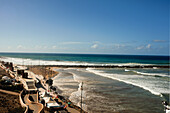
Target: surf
<point>24,61</point>
<point>148,74</point>
<point>129,80</point>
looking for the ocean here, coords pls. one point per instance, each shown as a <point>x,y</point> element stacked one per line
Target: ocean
<point>106,90</point>
<point>92,58</point>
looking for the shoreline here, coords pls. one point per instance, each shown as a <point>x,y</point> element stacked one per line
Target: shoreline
<point>38,71</point>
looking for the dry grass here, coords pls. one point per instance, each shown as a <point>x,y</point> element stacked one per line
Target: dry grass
<point>10,104</point>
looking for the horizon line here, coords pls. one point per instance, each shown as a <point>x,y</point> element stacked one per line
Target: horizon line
<point>86,53</point>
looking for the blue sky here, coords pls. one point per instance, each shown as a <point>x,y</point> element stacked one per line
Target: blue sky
<point>85,26</point>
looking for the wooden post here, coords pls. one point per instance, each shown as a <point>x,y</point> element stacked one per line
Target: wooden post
<point>48,79</point>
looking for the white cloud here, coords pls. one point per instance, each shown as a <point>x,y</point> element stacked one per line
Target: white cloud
<point>19,47</point>
<point>54,47</point>
<point>144,47</point>
<point>159,40</point>
<point>94,46</point>
<point>148,46</point>
<point>140,47</point>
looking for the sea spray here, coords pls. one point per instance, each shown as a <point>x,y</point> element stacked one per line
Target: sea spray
<point>23,61</point>
<point>75,97</point>
<point>65,82</point>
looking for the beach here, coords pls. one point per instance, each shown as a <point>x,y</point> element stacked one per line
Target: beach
<point>136,88</point>
<point>45,71</point>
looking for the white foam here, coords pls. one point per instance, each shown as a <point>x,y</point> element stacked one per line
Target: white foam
<point>75,97</point>
<point>73,94</point>
<point>127,70</point>
<point>151,74</point>
<point>129,79</point>
<point>22,61</point>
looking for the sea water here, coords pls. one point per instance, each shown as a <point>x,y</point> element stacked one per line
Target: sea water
<point>106,90</point>
<point>91,58</point>
<point>114,90</point>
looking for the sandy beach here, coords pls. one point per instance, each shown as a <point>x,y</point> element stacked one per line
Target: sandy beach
<point>45,71</point>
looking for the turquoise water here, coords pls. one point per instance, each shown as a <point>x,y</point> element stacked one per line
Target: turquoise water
<point>89,58</point>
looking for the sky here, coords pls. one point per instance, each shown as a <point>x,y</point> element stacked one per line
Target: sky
<point>139,27</point>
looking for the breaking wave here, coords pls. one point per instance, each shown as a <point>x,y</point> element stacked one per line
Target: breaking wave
<point>133,80</point>
<point>149,74</point>
<point>22,61</point>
